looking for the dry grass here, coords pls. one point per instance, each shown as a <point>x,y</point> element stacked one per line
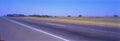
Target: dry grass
<point>107,21</point>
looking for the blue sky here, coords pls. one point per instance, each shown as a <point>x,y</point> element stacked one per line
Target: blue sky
<point>61,7</point>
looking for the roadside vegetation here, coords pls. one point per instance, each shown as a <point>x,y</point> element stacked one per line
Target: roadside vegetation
<point>22,15</point>
<point>15,15</point>
<point>107,21</point>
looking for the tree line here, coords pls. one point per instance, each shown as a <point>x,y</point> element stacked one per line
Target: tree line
<point>35,15</point>
<point>22,15</point>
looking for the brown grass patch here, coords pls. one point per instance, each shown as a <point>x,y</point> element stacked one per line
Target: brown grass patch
<point>106,21</point>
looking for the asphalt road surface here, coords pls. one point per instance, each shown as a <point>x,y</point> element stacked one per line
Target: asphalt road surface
<point>22,29</point>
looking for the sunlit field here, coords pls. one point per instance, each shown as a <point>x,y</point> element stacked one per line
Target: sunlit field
<point>105,21</point>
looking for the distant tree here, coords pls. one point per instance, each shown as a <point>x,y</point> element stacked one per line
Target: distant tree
<point>69,16</point>
<point>115,15</point>
<point>55,16</point>
<point>35,15</point>
<point>9,15</point>
<point>15,15</point>
<point>40,16</point>
<point>80,16</point>
<point>46,16</point>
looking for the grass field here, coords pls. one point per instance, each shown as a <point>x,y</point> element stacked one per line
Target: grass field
<point>106,21</point>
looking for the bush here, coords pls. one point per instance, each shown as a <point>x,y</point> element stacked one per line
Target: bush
<point>15,15</point>
<point>34,15</point>
<point>68,16</point>
<point>80,16</point>
<point>40,16</point>
<point>115,16</point>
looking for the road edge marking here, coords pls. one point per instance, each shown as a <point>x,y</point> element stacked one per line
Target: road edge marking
<point>41,31</point>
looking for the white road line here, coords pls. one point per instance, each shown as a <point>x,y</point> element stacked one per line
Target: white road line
<point>41,31</point>
<point>55,24</point>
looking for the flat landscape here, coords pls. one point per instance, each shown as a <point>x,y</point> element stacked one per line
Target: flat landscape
<point>59,20</point>
<point>105,21</point>
<point>55,29</point>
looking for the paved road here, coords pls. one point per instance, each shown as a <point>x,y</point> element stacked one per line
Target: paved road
<point>22,29</point>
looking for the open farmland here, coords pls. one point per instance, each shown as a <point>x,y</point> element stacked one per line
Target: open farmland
<point>106,21</point>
